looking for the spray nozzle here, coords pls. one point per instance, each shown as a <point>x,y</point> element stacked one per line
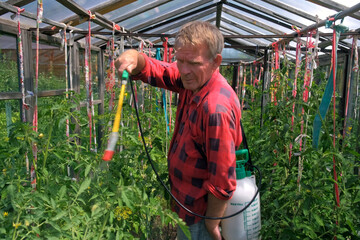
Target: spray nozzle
<point>125,75</point>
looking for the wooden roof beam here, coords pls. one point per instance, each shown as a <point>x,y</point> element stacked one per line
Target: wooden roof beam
<point>247,49</point>
<point>344,36</point>
<point>251,21</point>
<point>218,13</point>
<point>135,12</point>
<point>242,27</point>
<point>340,15</point>
<point>179,24</point>
<point>99,18</point>
<point>335,6</point>
<point>291,9</point>
<point>251,42</point>
<point>289,22</point>
<point>18,3</point>
<point>83,14</point>
<point>165,16</point>
<point>102,8</point>
<point>273,14</point>
<point>130,14</point>
<point>192,18</point>
<point>169,14</point>
<point>178,18</point>
<point>33,16</point>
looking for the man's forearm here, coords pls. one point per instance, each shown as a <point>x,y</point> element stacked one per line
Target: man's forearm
<point>216,208</point>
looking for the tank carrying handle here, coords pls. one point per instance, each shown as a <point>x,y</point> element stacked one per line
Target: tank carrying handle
<point>242,152</point>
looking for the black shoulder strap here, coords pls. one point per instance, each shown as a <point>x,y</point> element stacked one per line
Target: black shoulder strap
<point>245,143</point>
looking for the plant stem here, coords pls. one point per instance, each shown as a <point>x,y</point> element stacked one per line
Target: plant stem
<point>46,153</point>
<point>17,220</point>
<point>103,225</point>
<point>86,230</point>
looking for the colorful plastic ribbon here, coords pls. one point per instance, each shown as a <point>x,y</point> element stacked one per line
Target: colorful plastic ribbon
<point>88,82</point>
<point>21,66</point>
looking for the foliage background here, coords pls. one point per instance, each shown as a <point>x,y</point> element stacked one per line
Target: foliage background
<point>78,196</point>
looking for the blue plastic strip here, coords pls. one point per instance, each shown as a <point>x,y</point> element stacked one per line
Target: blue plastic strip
<point>324,106</point>
<point>326,99</point>
<point>158,57</point>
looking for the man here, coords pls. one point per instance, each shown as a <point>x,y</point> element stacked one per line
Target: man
<point>201,158</point>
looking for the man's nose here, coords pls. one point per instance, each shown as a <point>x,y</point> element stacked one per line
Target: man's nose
<point>184,68</point>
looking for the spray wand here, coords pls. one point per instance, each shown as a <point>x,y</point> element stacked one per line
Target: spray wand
<point>114,135</point>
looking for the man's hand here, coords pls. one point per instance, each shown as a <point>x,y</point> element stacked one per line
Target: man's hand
<point>216,208</point>
<point>131,61</point>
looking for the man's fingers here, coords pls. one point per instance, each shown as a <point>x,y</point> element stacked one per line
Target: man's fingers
<point>128,68</point>
<point>128,61</point>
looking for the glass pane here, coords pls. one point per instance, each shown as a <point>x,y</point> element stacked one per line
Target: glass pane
<point>233,55</point>
<point>8,64</point>
<point>51,67</point>
<point>9,114</point>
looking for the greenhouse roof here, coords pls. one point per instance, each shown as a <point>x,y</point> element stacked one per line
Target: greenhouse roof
<point>249,27</point>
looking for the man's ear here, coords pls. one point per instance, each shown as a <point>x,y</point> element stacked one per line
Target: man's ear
<point>217,60</point>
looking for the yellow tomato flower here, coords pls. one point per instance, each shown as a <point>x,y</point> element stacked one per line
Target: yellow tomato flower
<point>16,225</point>
<point>27,223</point>
<point>6,214</point>
<point>122,213</point>
<point>94,207</point>
<point>41,135</point>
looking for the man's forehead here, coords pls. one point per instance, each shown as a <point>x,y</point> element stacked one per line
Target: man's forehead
<point>188,56</point>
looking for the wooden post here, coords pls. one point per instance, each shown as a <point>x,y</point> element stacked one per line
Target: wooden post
<point>343,98</point>
<point>75,71</point>
<point>265,85</point>
<point>218,13</point>
<point>28,74</point>
<point>101,87</point>
<point>235,77</point>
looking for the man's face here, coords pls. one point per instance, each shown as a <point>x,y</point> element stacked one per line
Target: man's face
<point>194,66</point>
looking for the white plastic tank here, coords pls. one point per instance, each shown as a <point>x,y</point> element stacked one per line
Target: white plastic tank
<point>246,225</point>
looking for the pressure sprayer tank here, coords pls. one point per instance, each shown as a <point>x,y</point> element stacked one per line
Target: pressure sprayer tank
<point>246,225</point>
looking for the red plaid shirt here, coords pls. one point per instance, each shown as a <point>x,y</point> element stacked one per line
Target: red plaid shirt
<point>207,125</point>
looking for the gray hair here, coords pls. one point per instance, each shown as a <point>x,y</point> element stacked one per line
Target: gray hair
<point>200,32</point>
